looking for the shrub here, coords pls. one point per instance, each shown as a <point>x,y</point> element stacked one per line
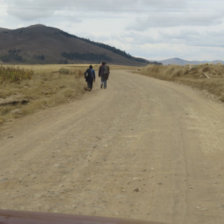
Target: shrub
<point>64,71</point>
<point>11,74</point>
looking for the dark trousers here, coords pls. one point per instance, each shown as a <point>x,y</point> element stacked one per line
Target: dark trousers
<point>90,84</point>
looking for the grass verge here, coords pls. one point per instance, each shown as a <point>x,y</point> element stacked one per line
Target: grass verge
<point>27,89</point>
<point>209,77</point>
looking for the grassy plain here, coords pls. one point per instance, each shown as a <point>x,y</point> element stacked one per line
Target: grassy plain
<point>30,88</point>
<point>208,77</point>
<point>25,89</point>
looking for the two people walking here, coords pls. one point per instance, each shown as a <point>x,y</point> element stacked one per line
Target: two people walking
<point>104,71</point>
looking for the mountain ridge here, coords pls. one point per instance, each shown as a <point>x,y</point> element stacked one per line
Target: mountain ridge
<point>40,44</point>
<point>180,61</point>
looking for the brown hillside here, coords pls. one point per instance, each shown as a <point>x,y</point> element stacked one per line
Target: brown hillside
<point>42,44</point>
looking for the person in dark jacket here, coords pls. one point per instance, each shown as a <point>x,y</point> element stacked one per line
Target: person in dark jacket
<point>90,77</point>
<point>104,72</point>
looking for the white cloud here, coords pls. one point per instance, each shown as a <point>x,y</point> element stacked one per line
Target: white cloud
<point>31,9</point>
<point>164,51</point>
<point>172,19</point>
<point>148,28</point>
<point>3,8</point>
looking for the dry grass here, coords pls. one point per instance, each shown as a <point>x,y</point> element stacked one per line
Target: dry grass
<point>12,74</point>
<point>209,77</point>
<point>125,67</point>
<point>42,86</point>
<point>48,86</point>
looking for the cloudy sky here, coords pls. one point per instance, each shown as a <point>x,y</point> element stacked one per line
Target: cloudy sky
<point>153,29</point>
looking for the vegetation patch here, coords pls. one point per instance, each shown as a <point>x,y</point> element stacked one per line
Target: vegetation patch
<point>13,55</point>
<point>29,88</point>
<point>209,77</point>
<point>12,74</point>
<point>86,57</point>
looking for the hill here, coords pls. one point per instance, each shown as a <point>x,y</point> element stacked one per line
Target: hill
<point>2,29</point>
<point>39,44</point>
<point>179,61</point>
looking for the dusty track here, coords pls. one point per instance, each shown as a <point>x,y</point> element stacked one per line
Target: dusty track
<point>143,148</point>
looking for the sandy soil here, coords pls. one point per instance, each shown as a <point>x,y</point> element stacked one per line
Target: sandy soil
<point>143,148</point>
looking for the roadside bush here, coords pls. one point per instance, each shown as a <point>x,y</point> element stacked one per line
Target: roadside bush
<point>11,74</point>
<point>209,77</point>
<point>64,71</point>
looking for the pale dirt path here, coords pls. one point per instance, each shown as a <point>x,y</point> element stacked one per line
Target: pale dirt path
<point>143,149</point>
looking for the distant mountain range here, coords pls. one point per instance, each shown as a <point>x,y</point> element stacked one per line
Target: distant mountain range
<point>179,61</point>
<point>39,44</point>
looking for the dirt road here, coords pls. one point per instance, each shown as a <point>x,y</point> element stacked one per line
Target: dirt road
<point>143,149</point>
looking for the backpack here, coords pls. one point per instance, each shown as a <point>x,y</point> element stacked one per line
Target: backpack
<point>89,74</point>
<point>106,70</point>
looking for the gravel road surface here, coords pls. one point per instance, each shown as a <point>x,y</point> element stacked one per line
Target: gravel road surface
<point>142,148</point>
